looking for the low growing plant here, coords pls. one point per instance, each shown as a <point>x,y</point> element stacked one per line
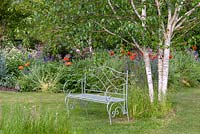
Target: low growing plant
<point>6,79</point>
<point>184,70</point>
<point>43,77</point>
<point>140,105</point>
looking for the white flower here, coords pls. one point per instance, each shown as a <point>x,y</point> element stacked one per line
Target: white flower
<point>78,51</point>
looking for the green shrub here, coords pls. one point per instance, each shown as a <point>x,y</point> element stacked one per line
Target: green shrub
<point>80,67</point>
<point>16,58</point>
<point>43,77</point>
<point>6,79</point>
<point>184,70</point>
<point>3,69</point>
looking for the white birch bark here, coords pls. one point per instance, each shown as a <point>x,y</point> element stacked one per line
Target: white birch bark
<point>160,51</point>
<point>142,17</point>
<point>149,75</point>
<point>174,22</point>
<point>160,74</point>
<point>165,68</point>
<point>166,53</point>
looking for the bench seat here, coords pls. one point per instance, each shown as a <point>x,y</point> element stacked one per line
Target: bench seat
<point>96,98</point>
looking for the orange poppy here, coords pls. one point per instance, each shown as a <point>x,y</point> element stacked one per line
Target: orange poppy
<point>20,67</point>
<point>68,63</point>
<point>27,64</point>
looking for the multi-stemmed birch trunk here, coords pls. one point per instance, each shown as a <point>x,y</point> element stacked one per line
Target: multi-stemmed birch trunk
<point>175,20</point>
<point>166,32</point>
<point>166,29</point>
<point>171,16</point>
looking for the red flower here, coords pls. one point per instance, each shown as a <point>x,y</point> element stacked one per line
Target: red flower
<point>129,53</point>
<point>194,48</point>
<point>150,55</point>
<point>132,57</point>
<point>66,59</point>
<point>134,54</point>
<point>153,57</point>
<point>170,56</point>
<point>112,53</point>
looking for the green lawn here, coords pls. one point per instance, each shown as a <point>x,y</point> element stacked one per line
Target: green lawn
<point>184,120</point>
<point>187,114</point>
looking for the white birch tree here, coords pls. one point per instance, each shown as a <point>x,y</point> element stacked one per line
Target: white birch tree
<point>173,18</point>
<point>176,19</point>
<point>150,24</point>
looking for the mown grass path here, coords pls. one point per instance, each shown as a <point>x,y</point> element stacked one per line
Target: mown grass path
<point>184,120</point>
<point>187,114</point>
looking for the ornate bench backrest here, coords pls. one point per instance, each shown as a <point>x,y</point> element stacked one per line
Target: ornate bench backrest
<point>107,81</point>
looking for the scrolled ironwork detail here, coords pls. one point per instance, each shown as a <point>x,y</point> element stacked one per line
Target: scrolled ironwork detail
<point>115,111</point>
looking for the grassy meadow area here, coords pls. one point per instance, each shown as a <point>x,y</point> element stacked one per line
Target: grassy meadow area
<point>48,111</point>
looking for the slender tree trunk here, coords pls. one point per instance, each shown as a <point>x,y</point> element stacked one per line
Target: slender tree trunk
<point>160,74</point>
<point>165,65</point>
<point>165,70</point>
<point>149,75</point>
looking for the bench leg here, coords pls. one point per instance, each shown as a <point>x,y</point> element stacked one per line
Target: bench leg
<point>109,106</point>
<point>115,111</point>
<point>126,112</point>
<point>67,104</point>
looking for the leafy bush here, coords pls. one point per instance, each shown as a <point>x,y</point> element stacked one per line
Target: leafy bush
<point>15,58</point>
<point>42,77</point>
<point>3,69</point>
<point>80,67</point>
<point>184,70</point>
<point>6,79</point>
<point>11,61</point>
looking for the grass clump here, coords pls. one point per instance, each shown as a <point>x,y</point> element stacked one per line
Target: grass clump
<point>141,107</point>
<point>27,119</point>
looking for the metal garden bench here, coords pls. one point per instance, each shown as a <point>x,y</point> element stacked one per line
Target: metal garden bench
<point>104,85</point>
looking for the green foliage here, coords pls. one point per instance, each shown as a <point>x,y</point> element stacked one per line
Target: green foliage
<point>6,79</point>
<point>184,70</point>
<point>80,67</point>
<point>15,58</point>
<point>14,21</point>
<point>43,77</point>
<point>3,69</point>
<point>140,105</point>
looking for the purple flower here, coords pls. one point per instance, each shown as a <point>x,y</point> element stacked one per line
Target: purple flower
<point>30,56</point>
<point>45,59</point>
